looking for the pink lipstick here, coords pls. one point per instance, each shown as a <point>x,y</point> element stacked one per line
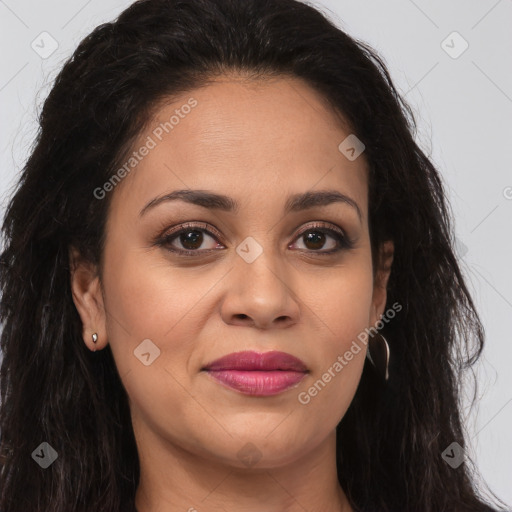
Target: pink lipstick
<point>258,374</point>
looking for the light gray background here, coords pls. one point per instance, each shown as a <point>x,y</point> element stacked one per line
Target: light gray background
<point>463,106</point>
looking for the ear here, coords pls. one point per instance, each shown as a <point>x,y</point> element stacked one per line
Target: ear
<point>385,259</point>
<point>88,299</point>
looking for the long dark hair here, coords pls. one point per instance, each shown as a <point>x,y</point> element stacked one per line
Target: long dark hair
<point>53,389</point>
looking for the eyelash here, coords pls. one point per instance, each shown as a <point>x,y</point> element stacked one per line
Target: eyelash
<point>344,242</point>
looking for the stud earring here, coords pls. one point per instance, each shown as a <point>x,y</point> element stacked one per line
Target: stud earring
<point>94,340</point>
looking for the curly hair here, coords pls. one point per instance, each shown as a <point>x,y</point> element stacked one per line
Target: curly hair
<point>390,441</point>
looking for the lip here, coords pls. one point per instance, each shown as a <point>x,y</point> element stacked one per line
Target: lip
<point>258,374</point>
<point>249,360</point>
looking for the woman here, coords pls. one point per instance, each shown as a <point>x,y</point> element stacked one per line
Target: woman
<point>224,213</point>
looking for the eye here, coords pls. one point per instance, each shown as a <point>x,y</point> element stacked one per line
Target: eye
<point>189,239</point>
<point>316,236</point>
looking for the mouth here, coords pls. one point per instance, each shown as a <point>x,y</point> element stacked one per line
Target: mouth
<point>258,374</point>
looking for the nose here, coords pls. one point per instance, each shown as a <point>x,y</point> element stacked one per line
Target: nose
<point>260,294</point>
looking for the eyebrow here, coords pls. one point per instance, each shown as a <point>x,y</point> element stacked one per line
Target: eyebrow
<point>214,201</point>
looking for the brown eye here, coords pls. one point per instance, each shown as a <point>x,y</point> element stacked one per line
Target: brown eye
<point>314,239</point>
<point>194,240</point>
<point>191,240</point>
<point>317,237</point>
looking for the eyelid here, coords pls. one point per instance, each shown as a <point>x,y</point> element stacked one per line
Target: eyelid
<point>320,224</point>
<point>191,225</point>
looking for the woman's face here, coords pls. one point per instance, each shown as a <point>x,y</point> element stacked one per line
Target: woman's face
<point>270,274</point>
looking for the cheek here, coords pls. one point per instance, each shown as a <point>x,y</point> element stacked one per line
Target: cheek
<point>342,302</point>
<point>146,299</point>
<point>344,308</point>
<point>152,295</point>
<point>150,301</point>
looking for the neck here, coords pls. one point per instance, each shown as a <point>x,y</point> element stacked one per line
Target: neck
<point>172,479</point>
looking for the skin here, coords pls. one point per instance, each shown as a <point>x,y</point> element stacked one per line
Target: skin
<point>257,142</point>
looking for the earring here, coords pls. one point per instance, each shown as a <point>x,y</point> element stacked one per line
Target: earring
<point>378,353</point>
<point>94,340</point>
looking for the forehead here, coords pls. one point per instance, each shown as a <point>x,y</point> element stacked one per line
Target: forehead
<point>246,139</point>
